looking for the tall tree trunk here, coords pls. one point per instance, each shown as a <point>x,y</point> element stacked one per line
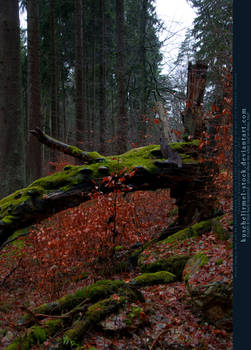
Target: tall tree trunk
<point>34,154</point>
<point>143,75</point>
<point>53,75</point>
<point>53,83</point>
<point>78,14</point>
<point>102,94</point>
<point>121,116</point>
<point>12,151</point>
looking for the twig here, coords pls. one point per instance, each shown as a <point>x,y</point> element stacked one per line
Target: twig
<point>10,273</point>
<point>157,338</point>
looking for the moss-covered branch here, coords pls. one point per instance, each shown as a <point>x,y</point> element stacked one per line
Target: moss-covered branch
<point>138,169</point>
<point>85,157</point>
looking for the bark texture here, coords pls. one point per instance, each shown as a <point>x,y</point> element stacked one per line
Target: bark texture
<point>34,154</point>
<point>12,174</point>
<point>196,83</point>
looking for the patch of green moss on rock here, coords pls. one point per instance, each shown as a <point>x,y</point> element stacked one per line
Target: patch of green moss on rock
<point>148,279</point>
<point>18,344</point>
<point>174,264</point>
<point>36,335</point>
<point>94,315</point>
<point>221,233</point>
<point>100,289</point>
<point>193,265</point>
<point>195,230</point>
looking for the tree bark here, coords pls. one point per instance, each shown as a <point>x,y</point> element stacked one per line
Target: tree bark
<point>102,94</point>
<point>34,156</point>
<point>60,146</point>
<point>196,83</point>
<point>121,114</point>
<point>53,75</point>
<point>12,150</point>
<point>78,14</point>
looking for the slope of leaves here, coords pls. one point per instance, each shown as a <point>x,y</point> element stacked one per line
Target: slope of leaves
<point>81,245</point>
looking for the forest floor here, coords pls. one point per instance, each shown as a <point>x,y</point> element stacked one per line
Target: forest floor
<point>87,243</point>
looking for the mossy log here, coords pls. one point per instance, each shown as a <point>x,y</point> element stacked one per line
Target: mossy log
<point>142,168</point>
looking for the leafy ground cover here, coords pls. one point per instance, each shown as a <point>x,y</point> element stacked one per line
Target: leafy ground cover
<point>79,246</point>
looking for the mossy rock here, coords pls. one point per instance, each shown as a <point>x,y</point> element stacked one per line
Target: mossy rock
<point>174,264</point>
<point>221,233</point>
<point>100,310</point>
<point>195,230</point>
<point>36,335</point>
<point>129,318</point>
<point>193,265</point>
<point>149,279</point>
<point>99,290</point>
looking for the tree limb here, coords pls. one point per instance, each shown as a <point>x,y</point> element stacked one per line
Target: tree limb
<point>61,146</point>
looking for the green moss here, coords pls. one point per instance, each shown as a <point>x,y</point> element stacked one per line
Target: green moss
<point>119,247</point>
<point>53,326</point>
<point>135,312</point>
<point>179,146</point>
<point>194,264</point>
<point>179,236</point>
<point>94,315</point>
<point>219,229</point>
<point>37,335</point>
<point>19,345</point>
<point>8,219</point>
<point>174,264</point>
<point>148,279</point>
<point>202,227</point>
<point>13,206</point>
<point>100,289</point>
<point>219,262</point>
<point>75,150</point>
<point>195,230</point>
<point>202,257</point>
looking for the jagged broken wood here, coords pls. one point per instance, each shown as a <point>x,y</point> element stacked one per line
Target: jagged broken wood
<point>138,169</point>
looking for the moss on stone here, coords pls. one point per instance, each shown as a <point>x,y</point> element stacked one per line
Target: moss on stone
<point>148,279</point>
<point>53,326</point>
<point>179,236</point>
<point>174,264</point>
<point>18,345</point>
<point>37,335</point>
<point>100,289</point>
<point>195,230</point>
<point>119,248</point>
<point>219,262</point>
<point>221,233</point>
<point>94,315</point>
<point>194,264</point>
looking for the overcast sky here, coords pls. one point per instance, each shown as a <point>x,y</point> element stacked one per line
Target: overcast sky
<point>177,16</point>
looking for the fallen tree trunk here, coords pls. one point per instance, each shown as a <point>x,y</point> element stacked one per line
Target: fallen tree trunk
<point>139,169</point>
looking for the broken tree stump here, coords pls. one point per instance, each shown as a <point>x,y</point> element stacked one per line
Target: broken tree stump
<point>196,83</point>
